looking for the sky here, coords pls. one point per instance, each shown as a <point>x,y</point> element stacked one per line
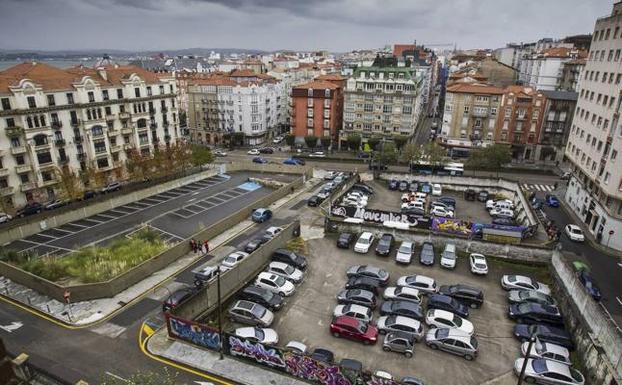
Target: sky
<point>334,25</point>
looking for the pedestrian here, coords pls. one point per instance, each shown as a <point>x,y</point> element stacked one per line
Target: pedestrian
<point>193,245</point>
<point>202,247</point>
<point>206,245</point>
<point>555,186</point>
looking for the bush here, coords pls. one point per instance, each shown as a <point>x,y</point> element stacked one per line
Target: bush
<point>297,245</point>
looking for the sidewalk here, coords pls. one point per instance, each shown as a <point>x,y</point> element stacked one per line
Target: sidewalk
<point>86,313</point>
<point>208,361</point>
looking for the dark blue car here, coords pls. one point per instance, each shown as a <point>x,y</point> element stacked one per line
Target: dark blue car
<point>551,200</point>
<point>544,333</point>
<point>394,185</point>
<point>590,285</point>
<point>291,162</point>
<point>447,303</point>
<point>260,160</point>
<point>426,188</point>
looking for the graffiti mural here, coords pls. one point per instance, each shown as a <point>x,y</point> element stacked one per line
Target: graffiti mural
<point>380,381</point>
<point>451,226</point>
<point>309,369</point>
<point>381,216</point>
<point>201,335</point>
<point>255,351</point>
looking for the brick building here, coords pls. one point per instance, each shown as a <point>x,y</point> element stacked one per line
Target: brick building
<point>317,108</point>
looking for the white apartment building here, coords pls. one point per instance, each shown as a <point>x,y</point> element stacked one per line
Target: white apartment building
<point>543,70</point>
<point>595,189</point>
<point>78,118</point>
<point>241,101</point>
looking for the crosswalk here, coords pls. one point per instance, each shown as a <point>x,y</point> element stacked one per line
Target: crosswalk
<point>538,187</point>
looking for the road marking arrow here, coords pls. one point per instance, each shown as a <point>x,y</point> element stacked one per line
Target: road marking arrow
<point>13,326</point>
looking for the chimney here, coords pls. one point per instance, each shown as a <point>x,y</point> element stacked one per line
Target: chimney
<point>102,73</point>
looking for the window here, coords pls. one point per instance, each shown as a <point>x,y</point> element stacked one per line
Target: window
<point>102,163</point>
<point>91,97</point>
<point>326,123</point>
<point>310,92</point>
<point>309,122</point>
<point>31,102</point>
<point>149,93</point>
<point>407,110</point>
<point>327,93</point>
<point>100,146</point>
<point>97,130</point>
<point>70,98</point>
<point>6,104</point>
<point>310,112</point>
<point>466,109</point>
<point>51,101</point>
<point>137,92</point>
<point>105,95</point>
<point>44,157</point>
<point>24,178</point>
<point>614,154</point>
<point>120,93</point>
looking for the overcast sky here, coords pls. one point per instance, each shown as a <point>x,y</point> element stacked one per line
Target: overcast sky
<point>335,25</point>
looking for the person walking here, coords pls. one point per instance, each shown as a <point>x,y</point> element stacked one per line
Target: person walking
<point>206,246</point>
<point>202,247</point>
<point>193,245</point>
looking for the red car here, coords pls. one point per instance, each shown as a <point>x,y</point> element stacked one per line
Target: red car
<point>354,329</point>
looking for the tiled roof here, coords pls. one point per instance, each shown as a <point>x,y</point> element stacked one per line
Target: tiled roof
<point>245,73</point>
<point>318,85</point>
<point>330,77</point>
<point>521,90</point>
<point>474,88</point>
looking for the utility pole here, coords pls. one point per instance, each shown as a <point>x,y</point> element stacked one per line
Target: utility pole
<point>522,371</point>
<point>219,315</point>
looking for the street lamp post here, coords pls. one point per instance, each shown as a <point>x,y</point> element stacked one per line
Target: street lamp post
<point>522,370</point>
<point>220,349</point>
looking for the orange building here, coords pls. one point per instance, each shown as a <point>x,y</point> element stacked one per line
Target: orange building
<point>317,107</point>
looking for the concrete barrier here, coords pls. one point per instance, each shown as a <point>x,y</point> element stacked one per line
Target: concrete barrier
<point>598,339</point>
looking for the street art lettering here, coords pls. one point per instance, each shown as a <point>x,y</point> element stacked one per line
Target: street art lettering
<point>381,216</point>
<point>451,226</point>
<point>255,351</point>
<point>197,334</point>
<point>309,369</point>
<point>380,381</point>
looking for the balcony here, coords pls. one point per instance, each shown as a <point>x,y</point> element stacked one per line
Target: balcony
<point>167,138</point>
<point>22,168</point>
<point>165,124</point>
<point>76,123</point>
<point>152,111</point>
<point>4,172</point>
<point>56,124</point>
<point>164,109</point>
<point>18,150</point>
<point>59,142</point>
<point>49,182</point>
<point>63,161</point>
<point>77,139</point>
<point>115,148</point>
<point>144,144</point>
<point>128,146</point>
<point>124,115</point>
<point>127,130</point>
<point>113,131</point>
<point>14,132</point>
<point>4,191</point>
<point>46,166</point>
<point>81,156</point>
<point>28,186</point>
<point>480,113</point>
<point>141,128</point>
<point>110,118</point>
<point>153,126</point>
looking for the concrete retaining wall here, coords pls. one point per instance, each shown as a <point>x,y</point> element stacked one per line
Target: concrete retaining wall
<point>91,208</point>
<point>233,280</point>
<point>275,168</point>
<point>598,339</point>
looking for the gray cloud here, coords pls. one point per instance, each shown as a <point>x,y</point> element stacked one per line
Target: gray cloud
<point>337,25</point>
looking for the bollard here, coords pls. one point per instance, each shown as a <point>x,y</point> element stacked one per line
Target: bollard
<point>28,299</point>
<point>48,307</point>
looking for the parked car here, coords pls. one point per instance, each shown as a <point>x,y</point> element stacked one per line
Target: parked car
<point>401,307</point>
<point>323,355</point>
<point>501,213</point>
<point>399,342</point>
<point>233,259</point>
<point>314,201</point>
<point>574,232</point>
<point>262,296</point>
<point>253,151</point>
<point>323,194</point>
<point>88,194</point>
<point>547,351</point>
<point>551,200</point>
<point>110,187</point>
<point>405,252</point>
<point>297,347</point>
<point>266,150</point>
<point>385,244</point>
<point>317,154</point>
<point>522,282</point>
<point>427,254</point>
<point>261,215</point>
<point>504,221</point>
<point>544,333</point>
<point>442,212</point>
<point>299,261</point>
<point>56,203</point>
<point>523,295</point>
<point>535,313</point>
<point>499,204</point>
<point>449,256</point>
<point>258,335</point>
<point>389,323</point>
<point>359,312</point>
<point>364,188</point>
<point>358,297</point>
<point>445,302</point>
<point>364,242</point>
<point>478,264</point>
<point>4,217</point>
<point>275,283</point>
<point>253,245</point>
<point>449,201</point>
<point>205,274</point>
<point>260,160</point>
<point>402,292</point>
<point>403,186</point>
<point>220,153</point>
<point>363,283</point>
<point>286,271</point>
<point>426,188</point>
<point>467,295</point>
<point>549,372</point>
<point>292,162</point>
<point>369,271</point>
<point>420,282</point>
<point>277,139</point>
<point>452,341</point>
<point>436,318</point>
<point>30,208</point>
<point>470,195</point>
<point>482,196</point>
<point>437,190</point>
<point>590,285</point>
<point>394,185</point>
<point>409,380</point>
<point>250,313</point>
<point>177,297</point>
<point>354,329</point>
<point>345,240</point>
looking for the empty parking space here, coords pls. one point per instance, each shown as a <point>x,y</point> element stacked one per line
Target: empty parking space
<point>71,227</point>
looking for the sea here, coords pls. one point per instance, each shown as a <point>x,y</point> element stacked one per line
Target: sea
<point>60,63</point>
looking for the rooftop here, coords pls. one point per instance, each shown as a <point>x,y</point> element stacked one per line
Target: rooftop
<point>318,85</point>
<point>474,88</point>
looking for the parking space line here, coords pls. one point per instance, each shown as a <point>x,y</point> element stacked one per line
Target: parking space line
<point>116,210</point>
<point>106,216</point>
<point>141,205</point>
<point>43,235</point>
<point>149,201</point>
<point>76,224</point>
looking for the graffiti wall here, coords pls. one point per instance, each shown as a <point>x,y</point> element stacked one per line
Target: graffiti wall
<point>255,351</point>
<point>381,216</point>
<point>452,226</point>
<point>198,334</point>
<point>309,369</point>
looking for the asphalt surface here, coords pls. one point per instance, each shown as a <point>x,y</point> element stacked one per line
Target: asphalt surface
<point>175,214</point>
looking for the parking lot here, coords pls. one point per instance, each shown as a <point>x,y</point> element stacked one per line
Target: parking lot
<point>176,214</point>
<point>308,314</point>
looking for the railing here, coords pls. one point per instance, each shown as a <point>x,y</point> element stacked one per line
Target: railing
<point>18,150</point>
<point>13,132</point>
<point>124,115</point>
<point>28,186</point>
<point>59,142</point>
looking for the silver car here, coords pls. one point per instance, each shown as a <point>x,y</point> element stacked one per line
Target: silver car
<point>398,323</point>
<point>251,313</point>
<point>547,351</point>
<point>548,372</point>
<point>452,341</point>
<point>399,342</point>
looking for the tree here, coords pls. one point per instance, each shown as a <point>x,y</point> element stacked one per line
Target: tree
<point>411,153</point>
<point>201,155</point>
<point>166,377</point>
<point>491,157</point>
<point>311,141</point>
<point>138,166</point>
<point>400,141</point>
<point>354,141</point>
<point>91,177</point>
<point>434,153</point>
<point>386,153</point>
<point>290,139</point>
<point>68,182</point>
<point>373,142</point>
<point>326,141</point>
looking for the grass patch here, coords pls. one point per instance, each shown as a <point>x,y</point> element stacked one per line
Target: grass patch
<point>95,263</point>
<point>297,245</point>
<point>540,272</point>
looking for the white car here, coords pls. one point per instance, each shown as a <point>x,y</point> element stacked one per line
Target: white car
<point>413,205</point>
<point>436,318</point>
<point>277,140</point>
<point>286,271</point>
<point>449,256</point>
<point>405,252</point>
<point>437,190</point>
<point>419,282</point>
<point>255,334</point>
<point>272,231</point>
<point>4,217</point>
<point>575,233</point>
<point>541,371</point>
<point>358,194</point>
<point>220,153</point>
<point>358,205</point>
<point>330,175</point>
<point>359,312</point>
<point>402,292</point>
<point>275,283</point>
<point>491,203</point>
<point>509,282</point>
<point>439,211</point>
<point>317,154</point>
<point>502,213</point>
<point>233,259</point>
<point>359,198</point>
<point>478,264</point>
<point>364,242</point>
<point>548,351</point>
<point>253,151</point>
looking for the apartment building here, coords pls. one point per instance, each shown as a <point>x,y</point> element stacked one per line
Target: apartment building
<point>382,100</point>
<point>78,118</point>
<point>520,120</point>
<point>543,69</point>
<point>470,116</point>
<point>594,191</point>
<point>570,77</point>
<point>239,101</point>
<point>556,123</point>
<point>318,108</point>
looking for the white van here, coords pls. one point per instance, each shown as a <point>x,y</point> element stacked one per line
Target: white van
<point>448,257</point>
